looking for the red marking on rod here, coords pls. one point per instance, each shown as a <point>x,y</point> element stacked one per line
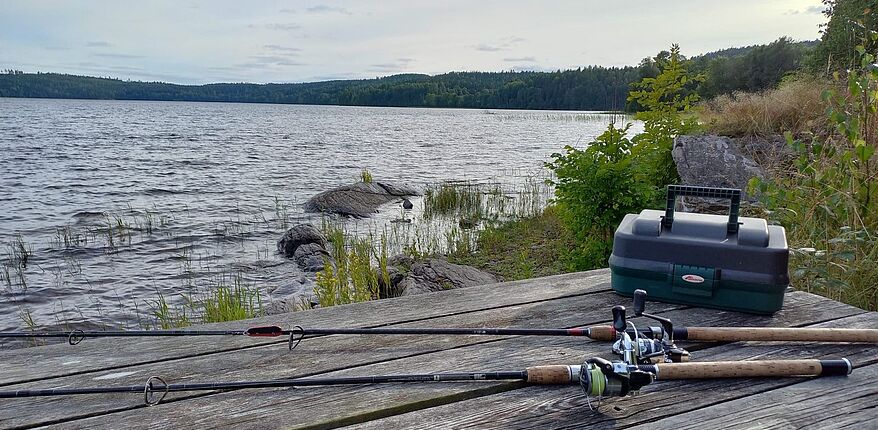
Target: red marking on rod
<point>576,332</point>
<point>266,331</point>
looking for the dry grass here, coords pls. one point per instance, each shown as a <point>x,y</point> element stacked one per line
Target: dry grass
<point>796,106</point>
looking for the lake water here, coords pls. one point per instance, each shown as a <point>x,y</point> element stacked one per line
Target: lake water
<point>204,190</point>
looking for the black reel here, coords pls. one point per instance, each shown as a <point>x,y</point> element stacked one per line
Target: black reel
<point>656,345</point>
<point>602,378</point>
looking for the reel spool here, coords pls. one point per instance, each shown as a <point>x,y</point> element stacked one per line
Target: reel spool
<point>602,378</point>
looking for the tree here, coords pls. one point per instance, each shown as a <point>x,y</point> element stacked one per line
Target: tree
<point>849,24</point>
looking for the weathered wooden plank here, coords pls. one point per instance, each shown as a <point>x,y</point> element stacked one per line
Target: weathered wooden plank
<point>312,356</point>
<point>62,359</point>
<point>334,405</point>
<point>816,404</point>
<point>660,405</point>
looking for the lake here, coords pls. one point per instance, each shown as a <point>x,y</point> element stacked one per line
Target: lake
<point>116,203</point>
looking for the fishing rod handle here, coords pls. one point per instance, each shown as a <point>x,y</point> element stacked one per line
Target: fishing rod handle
<point>750,369</point>
<point>735,334</point>
<point>602,332</point>
<point>553,375</point>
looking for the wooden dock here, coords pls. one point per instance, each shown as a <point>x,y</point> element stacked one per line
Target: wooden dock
<point>572,300</point>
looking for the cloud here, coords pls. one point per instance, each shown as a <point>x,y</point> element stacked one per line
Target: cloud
<point>395,66</point>
<point>278,48</point>
<point>98,44</point>
<point>280,26</point>
<point>322,8</point>
<point>807,10</point>
<point>287,10</point>
<point>56,48</point>
<point>486,48</point>
<point>115,55</point>
<point>520,59</point>
<point>276,59</point>
<point>504,43</point>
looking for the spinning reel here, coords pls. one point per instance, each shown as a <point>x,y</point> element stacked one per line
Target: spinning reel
<point>657,347</point>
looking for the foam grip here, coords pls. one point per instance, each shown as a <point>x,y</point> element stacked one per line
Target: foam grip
<point>734,334</point>
<point>751,369</point>
<point>551,375</point>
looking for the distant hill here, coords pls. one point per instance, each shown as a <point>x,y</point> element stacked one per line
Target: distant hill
<point>588,88</point>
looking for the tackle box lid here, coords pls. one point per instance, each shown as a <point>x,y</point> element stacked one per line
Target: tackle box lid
<point>747,249</point>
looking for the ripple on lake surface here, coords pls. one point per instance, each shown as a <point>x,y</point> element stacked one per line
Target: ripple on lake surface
<point>196,185</point>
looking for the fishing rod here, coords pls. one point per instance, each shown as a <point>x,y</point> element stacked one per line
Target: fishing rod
<point>649,338</point>
<point>597,377</point>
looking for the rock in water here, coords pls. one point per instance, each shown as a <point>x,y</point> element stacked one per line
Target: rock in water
<point>399,190</point>
<point>435,274</point>
<point>358,200</point>
<point>311,256</point>
<point>297,236</point>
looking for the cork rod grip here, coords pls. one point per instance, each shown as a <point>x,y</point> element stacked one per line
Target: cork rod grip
<point>734,334</point>
<point>551,375</point>
<point>751,369</point>
<point>602,332</point>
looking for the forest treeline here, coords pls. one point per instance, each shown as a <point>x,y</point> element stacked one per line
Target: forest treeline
<point>589,88</point>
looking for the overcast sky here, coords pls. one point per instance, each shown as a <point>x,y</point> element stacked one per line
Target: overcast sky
<point>194,42</point>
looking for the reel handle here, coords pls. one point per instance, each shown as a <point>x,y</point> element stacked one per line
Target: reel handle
<point>639,302</point>
<point>619,321</point>
<point>750,369</point>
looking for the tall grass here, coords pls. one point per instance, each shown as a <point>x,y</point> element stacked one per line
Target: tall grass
<point>349,276</point>
<point>796,106</point>
<point>828,197</point>
<point>227,298</point>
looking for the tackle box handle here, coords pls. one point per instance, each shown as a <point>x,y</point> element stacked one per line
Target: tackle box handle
<point>731,194</point>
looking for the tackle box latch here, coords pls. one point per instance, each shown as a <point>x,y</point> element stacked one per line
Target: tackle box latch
<point>693,280</point>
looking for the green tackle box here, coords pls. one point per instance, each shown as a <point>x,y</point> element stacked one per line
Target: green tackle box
<point>724,262</point>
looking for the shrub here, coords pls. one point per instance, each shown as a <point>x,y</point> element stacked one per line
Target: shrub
<point>596,187</point>
<point>829,202</point>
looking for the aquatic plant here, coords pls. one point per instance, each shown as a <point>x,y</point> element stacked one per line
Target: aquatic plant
<point>348,276</point>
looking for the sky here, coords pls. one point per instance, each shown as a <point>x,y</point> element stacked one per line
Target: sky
<point>197,42</point>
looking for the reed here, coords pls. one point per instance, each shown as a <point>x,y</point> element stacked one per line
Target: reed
<point>225,298</point>
<point>349,276</point>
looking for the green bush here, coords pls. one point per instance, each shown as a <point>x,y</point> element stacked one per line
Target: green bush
<point>595,187</point>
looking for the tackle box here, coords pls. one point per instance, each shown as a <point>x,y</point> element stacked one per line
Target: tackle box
<point>725,262</point>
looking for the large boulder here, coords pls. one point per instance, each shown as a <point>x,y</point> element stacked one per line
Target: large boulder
<point>713,161</point>
<point>435,274</point>
<point>358,200</point>
<point>297,236</point>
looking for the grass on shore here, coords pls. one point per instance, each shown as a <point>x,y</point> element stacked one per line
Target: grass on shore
<point>521,249</point>
<point>796,106</point>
